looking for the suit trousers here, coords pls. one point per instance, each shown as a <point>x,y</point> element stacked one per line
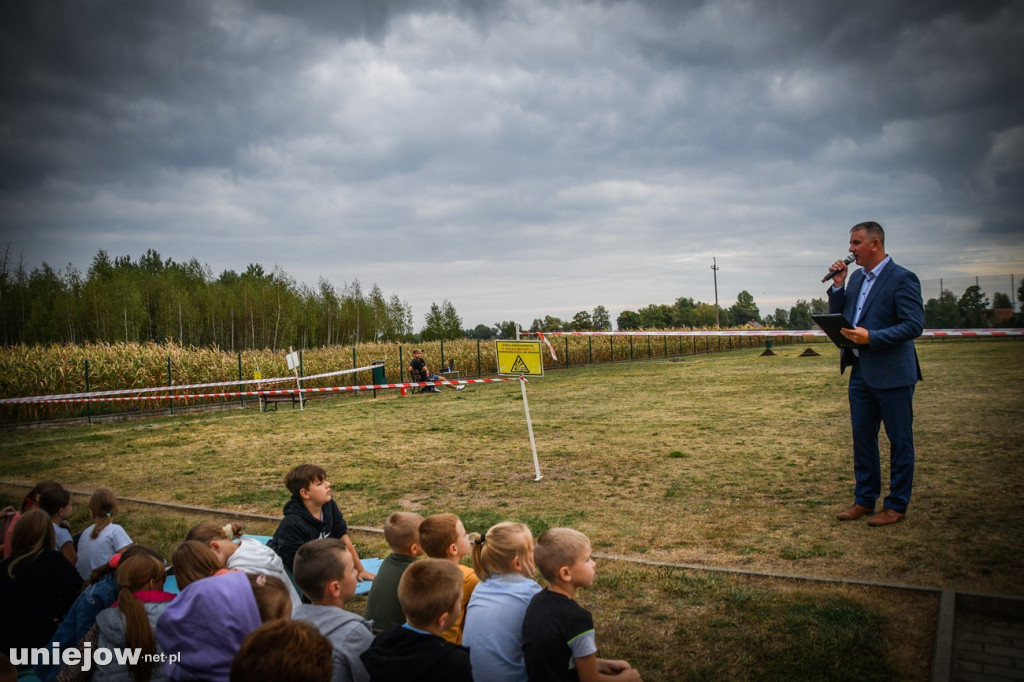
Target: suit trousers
<point>869,409</point>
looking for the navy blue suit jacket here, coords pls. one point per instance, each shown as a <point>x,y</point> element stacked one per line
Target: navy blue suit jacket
<point>893,314</point>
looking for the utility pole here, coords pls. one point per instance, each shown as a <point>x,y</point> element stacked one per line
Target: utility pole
<point>715,268</point>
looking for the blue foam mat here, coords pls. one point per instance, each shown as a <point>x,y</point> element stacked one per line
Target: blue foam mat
<point>372,565</point>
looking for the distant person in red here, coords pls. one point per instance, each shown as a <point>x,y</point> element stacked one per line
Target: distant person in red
<point>419,371</point>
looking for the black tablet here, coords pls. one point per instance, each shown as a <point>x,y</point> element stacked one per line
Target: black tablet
<point>831,324</point>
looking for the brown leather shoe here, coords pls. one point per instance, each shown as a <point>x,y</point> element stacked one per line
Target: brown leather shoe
<point>886,517</point>
<point>854,513</point>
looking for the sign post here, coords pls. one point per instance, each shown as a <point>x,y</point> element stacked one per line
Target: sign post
<point>293,363</point>
<point>522,359</point>
<point>258,375</point>
<point>529,427</point>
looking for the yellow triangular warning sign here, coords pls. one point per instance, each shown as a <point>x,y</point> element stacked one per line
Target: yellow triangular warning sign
<point>519,366</point>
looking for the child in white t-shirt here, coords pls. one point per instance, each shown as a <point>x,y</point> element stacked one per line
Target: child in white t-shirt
<point>104,538</point>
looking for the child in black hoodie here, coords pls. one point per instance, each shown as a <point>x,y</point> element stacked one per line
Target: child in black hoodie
<point>430,592</point>
<point>311,514</point>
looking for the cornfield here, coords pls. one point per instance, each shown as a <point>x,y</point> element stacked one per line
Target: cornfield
<point>63,369</point>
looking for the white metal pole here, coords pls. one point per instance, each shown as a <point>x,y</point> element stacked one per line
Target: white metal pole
<point>529,425</point>
<point>259,386</point>
<point>298,382</point>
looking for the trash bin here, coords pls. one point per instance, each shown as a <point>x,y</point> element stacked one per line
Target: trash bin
<point>378,375</point>
<point>768,344</point>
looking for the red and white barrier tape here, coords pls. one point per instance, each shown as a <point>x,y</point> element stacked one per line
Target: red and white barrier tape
<point>940,333</point>
<point>547,343</point>
<point>183,387</point>
<point>338,373</point>
<point>46,400</point>
<point>927,333</point>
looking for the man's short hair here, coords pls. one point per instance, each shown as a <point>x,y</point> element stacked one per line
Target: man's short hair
<point>282,651</point>
<point>303,476</point>
<point>557,547</point>
<point>319,562</point>
<point>402,530</point>
<point>874,230</point>
<point>429,588</point>
<point>438,533</point>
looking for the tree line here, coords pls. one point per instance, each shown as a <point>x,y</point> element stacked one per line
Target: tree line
<point>972,310</point>
<point>155,299</point>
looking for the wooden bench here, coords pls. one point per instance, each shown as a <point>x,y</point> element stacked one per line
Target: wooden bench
<point>293,398</point>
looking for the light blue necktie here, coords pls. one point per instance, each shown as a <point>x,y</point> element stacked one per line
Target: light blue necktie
<point>865,289</point>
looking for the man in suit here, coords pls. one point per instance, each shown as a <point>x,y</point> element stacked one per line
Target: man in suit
<point>883,301</point>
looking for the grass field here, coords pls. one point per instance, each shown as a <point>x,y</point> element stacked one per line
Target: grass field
<point>732,460</point>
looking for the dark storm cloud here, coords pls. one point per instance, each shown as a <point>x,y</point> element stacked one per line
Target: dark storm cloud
<point>514,139</point>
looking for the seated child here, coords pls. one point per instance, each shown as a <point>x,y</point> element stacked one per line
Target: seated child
<point>311,514</point>
<point>57,503</point>
<point>207,623</point>
<point>193,560</point>
<point>430,592</point>
<point>493,631</point>
<point>402,534</point>
<point>442,536</point>
<point>271,595</point>
<point>283,651</point>
<point>556,629</point>
<point>419,371</point>
<point>104,538</point>
<point>31,500</point>
<point>325,574</point>
<point>8,517</point>
<point>37,584</point>
<point>247,555</point>
<point>100,594</point>
<point>140,601</point>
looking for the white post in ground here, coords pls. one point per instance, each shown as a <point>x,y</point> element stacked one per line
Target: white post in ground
<point>259,386</point>
<point>529,425</point>
<point>293,363</point>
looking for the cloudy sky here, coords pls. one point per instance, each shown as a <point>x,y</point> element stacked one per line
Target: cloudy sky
<point>517,158</point>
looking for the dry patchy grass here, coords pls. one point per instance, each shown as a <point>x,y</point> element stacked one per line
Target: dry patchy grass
<point>733,460</point>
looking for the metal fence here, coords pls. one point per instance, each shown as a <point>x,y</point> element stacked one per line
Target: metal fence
<point>989,284</point>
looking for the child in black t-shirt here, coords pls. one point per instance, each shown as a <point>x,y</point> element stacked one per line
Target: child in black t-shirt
<point>558,633</point>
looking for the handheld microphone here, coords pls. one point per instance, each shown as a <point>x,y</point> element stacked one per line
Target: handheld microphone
<point>832,273</point>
